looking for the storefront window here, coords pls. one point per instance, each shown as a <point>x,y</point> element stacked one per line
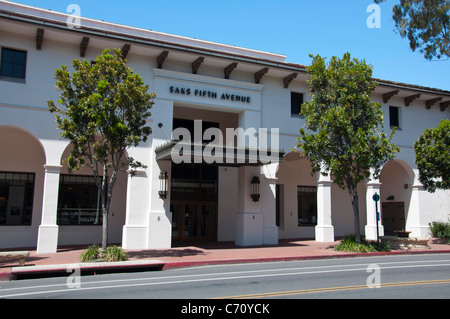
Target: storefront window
<point>16,198</point>
<point>78,201</point>
<point>307,205</point>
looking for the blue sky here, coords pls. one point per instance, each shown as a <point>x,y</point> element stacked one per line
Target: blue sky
<point>295,28</point>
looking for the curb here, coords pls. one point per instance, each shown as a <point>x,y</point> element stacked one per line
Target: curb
<point>6,276</point>
<point>183,264</point>
<point>45,271</point>
<point>28,272</point>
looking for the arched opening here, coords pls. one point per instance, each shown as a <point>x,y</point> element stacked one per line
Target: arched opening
<point>21,186</point>
<point>396,180</point>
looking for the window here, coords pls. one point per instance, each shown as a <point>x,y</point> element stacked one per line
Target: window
<point>279,203</point>
<point>13,63</point>
<point>78,201</point>
<point>296,103</point>
<point>394,116</point>
<point>193,182</point>
<point>307,205</point>
<point>16,198</point>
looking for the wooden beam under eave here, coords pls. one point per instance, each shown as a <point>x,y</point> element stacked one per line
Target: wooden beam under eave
<point>429,103</point>
<point>444,105</point>
<point>196,64</point>
<point>39,38</point>
<point>125,50</point>
<point>161,58</point>
<point>388,95</point>
<point>411,98</point>
<point>260,74</point>
<point>83,46</point>
<point>227,71</point>
<point>288,79</point>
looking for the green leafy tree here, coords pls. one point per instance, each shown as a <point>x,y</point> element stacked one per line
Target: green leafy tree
<point>343,129</point>
<point>433,157</point>
<point>426,24</point>
<point>104,111</point>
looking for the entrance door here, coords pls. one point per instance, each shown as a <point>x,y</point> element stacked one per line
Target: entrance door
<point>393,217</point>
<point>193,221</point>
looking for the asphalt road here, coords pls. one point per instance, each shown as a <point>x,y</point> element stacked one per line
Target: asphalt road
<point>197,288</point>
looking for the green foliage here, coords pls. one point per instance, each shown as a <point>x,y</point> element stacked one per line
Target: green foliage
<point>440,229</point>
<point>105,107</point>
<point>343,132</point>
<point>109,254</point>
<point>433,157</point>
<point>350,244</point>
<point>426,24</point>
<point>91,254</point>
<point>114,253</point>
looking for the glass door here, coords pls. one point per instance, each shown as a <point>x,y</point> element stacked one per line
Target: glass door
<point>192,221</point>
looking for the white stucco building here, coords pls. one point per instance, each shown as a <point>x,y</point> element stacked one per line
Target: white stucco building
<point>42,206</point>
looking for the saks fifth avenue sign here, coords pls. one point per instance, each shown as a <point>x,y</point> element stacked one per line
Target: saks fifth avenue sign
<point>210,94</point>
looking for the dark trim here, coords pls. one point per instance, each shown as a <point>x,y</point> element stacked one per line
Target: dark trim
<point>191,49</point>
<point>252,157</point>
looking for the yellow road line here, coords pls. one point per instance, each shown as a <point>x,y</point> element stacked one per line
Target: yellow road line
<point>331,289</point>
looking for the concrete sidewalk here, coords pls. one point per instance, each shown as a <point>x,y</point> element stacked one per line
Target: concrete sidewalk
<point>196,254</point>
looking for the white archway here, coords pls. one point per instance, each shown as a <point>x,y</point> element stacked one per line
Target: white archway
<point>22,158</point>
<point>397,179</point>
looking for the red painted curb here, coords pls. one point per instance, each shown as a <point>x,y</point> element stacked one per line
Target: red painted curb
<point>7,276</point>
<point>181,264</point>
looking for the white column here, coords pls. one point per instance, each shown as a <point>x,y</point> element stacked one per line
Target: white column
<point>159,215</point>
<point>373,186</point>
<point>135,230</point>
<point>324,229</point>
<point>48,230</point>
<point>249,218</point>
<point>415,220</point>
<point>268,203</point>
<point>249,122</point>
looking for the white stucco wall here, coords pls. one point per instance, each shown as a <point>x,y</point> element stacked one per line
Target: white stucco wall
<point>30,140</point>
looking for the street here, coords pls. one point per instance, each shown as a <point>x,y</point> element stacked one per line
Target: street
<point>424,276</point>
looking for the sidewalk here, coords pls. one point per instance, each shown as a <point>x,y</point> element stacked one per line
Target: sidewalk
<point>194,255</point>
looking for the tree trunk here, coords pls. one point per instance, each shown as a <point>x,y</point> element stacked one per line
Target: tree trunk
<point>105,208</point>
<point>107,188</point>
<point>354,198</point>
<point>105,230</point>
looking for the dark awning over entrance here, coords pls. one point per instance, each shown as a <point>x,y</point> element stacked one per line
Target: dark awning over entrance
<point>202,153</point>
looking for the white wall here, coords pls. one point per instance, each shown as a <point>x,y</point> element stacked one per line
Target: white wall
<point>25,105</point>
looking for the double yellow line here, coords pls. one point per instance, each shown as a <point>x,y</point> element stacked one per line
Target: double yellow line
<point>332,289</point>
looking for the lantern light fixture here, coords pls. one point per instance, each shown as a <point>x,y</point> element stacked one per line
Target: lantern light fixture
<point>255,188</point>
<point>163,185</point>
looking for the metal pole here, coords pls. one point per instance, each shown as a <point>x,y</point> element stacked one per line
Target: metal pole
<point>376,198</point>
<point>378,219</point>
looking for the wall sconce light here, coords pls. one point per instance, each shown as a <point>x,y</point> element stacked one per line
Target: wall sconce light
<point>163,185</point>
<point>255,189</point>
<point>390,198</point>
